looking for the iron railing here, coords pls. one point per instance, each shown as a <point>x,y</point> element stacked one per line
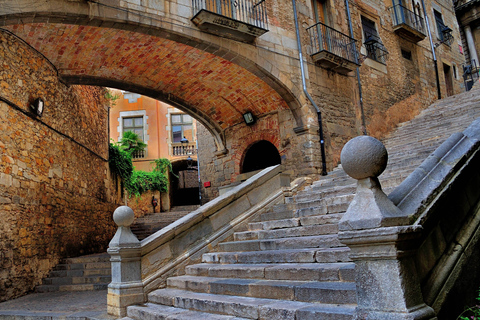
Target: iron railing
<point>324,38</point>
<point>252,12</point>
<point>375,48</point>
<point>470,74</point>
<point>184,150</point>
<point>401,15</point>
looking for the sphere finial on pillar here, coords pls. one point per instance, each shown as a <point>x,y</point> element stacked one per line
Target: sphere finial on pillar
<point>363,157</point>
<point>123,216</point>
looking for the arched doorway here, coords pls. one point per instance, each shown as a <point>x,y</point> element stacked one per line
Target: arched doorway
<point>184,187</point>
<point>260,155</point>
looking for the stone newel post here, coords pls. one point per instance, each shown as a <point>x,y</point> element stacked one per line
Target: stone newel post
<point>126,287</point>
<point>382,242</point>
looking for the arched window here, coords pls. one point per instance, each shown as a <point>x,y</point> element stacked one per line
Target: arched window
<point>260,155</point>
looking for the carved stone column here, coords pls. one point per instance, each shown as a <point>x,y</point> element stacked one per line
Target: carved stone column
<point>471,45</point>
<point>126,287</point>
<point>382,242</point>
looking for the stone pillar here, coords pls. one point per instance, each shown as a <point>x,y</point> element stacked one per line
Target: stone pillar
<point>471,45</point>
<point>382,243</point>
<point>126,287</point>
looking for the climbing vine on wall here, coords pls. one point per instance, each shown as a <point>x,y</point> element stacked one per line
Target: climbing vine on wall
<point>137,182</point>
<point>120,162</point>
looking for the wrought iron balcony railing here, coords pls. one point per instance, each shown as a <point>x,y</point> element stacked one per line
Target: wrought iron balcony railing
<point>183,150</point>
<point>239,19</point>
<point>408,23</point>
<point>331,47</point>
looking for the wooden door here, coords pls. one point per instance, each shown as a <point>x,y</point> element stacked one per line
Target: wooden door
<point>448,79</point>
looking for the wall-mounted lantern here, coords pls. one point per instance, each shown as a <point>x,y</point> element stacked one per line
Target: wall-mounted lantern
<point>37,106</point>
<point>249,118</point>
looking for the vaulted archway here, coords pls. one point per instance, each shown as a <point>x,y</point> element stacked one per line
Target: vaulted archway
<point>96,44</point>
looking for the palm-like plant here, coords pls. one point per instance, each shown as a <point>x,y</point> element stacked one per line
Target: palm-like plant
<point>131,142</point>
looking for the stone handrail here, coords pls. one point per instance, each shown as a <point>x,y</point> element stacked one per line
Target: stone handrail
<point>169,250</point>
<point>413,245</point>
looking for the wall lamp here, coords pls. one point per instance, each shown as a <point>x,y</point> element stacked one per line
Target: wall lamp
<point>37,106</point>
<point>249,118</point>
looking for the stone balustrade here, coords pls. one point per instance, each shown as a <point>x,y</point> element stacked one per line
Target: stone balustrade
<point>139,267</point>
<point>382,243</point>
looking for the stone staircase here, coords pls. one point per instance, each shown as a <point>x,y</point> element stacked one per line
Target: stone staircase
<point>93,272</point>
<point>151,223</point>
<point>289,263</point>
<point>85,273</point>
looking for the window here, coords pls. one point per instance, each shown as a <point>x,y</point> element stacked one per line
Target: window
<point>375,48</point>
<point>320,11</point>
<point>181,127</point>
<point>406,54</point>
<point>134,124</point>
<point>440,24</point>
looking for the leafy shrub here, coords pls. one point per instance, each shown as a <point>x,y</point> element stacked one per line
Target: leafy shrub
<point>137,182</point>
<point>471,313</point>
<point>120,162</point>
<point>142,181</point>
<point>131,142</point>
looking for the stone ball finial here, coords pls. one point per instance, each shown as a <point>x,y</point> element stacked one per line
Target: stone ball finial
<point>364,157</point>
<point>123,216</point>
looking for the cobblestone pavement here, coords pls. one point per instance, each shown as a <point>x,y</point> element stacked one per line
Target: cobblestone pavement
<point>57,305</point>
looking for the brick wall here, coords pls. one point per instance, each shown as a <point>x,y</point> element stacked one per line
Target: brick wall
<point>56,196</point>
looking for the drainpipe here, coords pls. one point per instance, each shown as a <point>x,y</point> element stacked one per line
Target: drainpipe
<point>319,114</point>
<point>364,127</point>
<point>433,49</point>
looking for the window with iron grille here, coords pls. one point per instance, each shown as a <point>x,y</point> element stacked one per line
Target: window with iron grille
<point>373,44</point>
<point>181,127</point>
<point>440,25</point>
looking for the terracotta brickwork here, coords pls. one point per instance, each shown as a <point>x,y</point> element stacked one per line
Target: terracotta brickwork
<point>56,197</point>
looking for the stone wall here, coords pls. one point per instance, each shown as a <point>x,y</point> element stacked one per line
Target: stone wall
<point>56,196</point>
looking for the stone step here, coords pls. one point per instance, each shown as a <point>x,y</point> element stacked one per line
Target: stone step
<point>77,280</point>
<point>305,291</point>
<point>71,287</point>
<point>80,272</point>
<point>152,311</point>
<point>301,231</point>
<point>278,215</point>
<point>324,193</point>
<point>250,308</point>
<point>279,271</point>
<point>83,266</point>
<point>321,218</point>
<point>91,258</point>
<point>321,241</point>
<point>329,255</point>
<point>84,273</point>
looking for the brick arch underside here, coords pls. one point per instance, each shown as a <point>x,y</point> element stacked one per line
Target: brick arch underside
<point>214,90</point>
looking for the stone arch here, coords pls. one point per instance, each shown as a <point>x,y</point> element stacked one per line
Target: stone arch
<point>260,155</point>
<point>184,191</point>
<point>248,141</point>
<point>82,16</point>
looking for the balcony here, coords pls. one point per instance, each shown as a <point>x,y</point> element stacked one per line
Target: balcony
<point>332,49</point>
<point>179,150</point>
<point>407,24</point>
<point>139,154</point>
<point>241,20</point>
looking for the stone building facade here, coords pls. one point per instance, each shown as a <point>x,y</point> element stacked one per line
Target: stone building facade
<point>468,15</point>
<point>56,195</point>
<point>222,77</point>
<point>394,88</point>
